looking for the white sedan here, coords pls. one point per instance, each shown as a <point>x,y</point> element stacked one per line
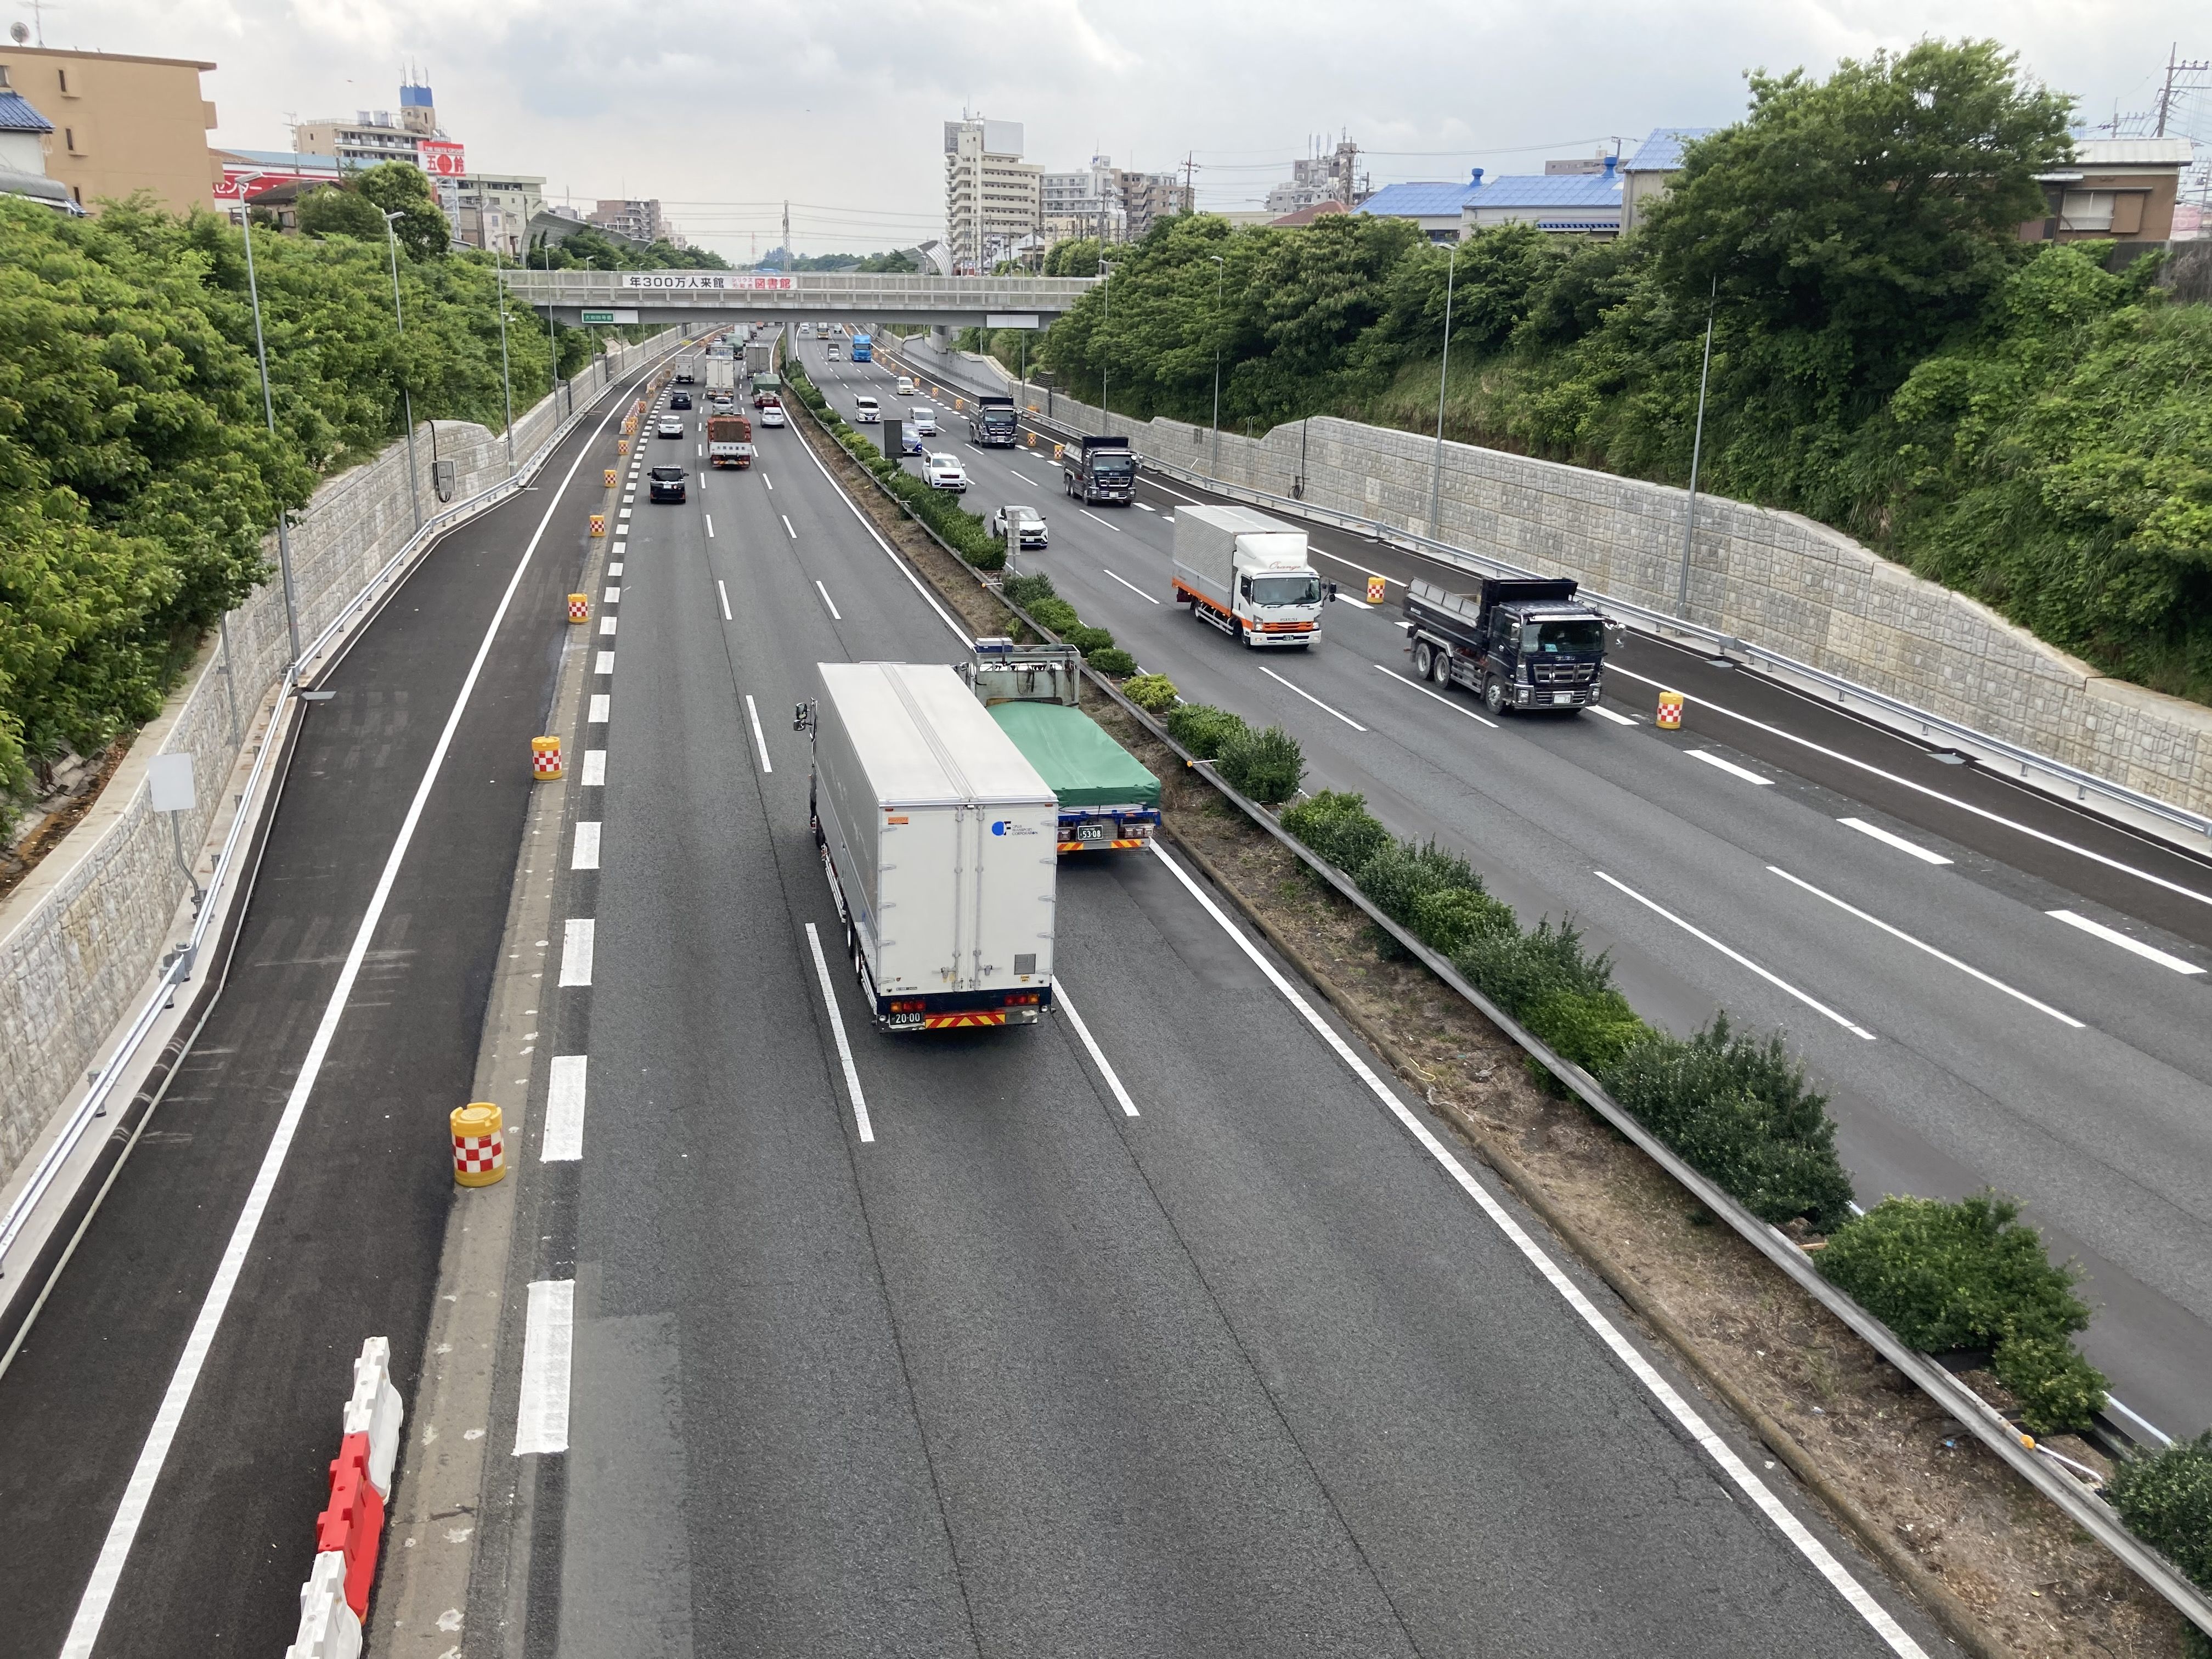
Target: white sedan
<point>943,473</point>
<point>771,415</point>
<point>670,430</point>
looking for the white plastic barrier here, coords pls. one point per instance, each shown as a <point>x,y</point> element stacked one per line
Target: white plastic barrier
<point>328,1629</point>
<point>377,1411</point>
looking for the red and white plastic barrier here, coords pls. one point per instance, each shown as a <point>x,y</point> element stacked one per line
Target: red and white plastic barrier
<point>349,1531</point>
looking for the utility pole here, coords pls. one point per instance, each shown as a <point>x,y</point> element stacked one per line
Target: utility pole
<point>506,381</point>
<point>1697,450</point>
<point>786,236</point>
<point>268,414</point>
<point>407,398</point>
<point>1220,276</point>
<point>1437,483</point>
<point>2176,67</point>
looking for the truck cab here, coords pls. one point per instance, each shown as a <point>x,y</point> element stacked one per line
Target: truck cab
<point>1249,575</point>
<point>1522,644</point>
<point>991,423</point>
<point>1099,470</point>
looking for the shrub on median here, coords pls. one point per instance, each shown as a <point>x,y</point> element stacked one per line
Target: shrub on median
<point>1054,613</point>
<point>1087,639</point>
<point>1026,590</point>
<point>2166,1501</point>
<point>1268,765</point>
<point>1114,661</point>
<point>1203,729</point>
<point>1153,693</point>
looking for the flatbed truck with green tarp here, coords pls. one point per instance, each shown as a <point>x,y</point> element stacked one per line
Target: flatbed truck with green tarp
<point>1108,798</point>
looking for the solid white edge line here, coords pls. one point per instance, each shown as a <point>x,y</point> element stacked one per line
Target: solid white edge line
<point>1090,1046</point>
<point>1728,766</point>
<point>595,769</point>
<point>834,613</point>
<point>1737,957</point>
<point>1405,679</point>
<point>752,714</point>
<point>1309,697</point>
<point>838,1030</point>
<point>579,938</point>
<point>549,1343</point>
<point>1822,1560</point>
<point>1911,849</point>
<point>1966,968</point>
<point>564,1140</point>
<point>1131,585</point>
<point>145,1474</point>
<point>586,855</point>
<point>2113,936</point>
<point>725,593</point>
<point>1984,813</point>
<point>913,580</point>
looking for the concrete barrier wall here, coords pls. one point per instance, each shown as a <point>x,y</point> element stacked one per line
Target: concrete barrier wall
<point>80,934</point>
<point>1775,579</point>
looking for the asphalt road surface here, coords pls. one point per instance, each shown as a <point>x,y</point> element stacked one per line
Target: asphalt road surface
<point>1891,913</point>
<point>1012,1370</point>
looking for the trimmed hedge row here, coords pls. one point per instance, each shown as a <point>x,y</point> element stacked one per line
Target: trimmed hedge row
<point>2166,1501</point>
<point>1742,1112</point>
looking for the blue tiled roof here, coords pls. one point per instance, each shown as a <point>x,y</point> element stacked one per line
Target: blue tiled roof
<point>1663,151</point>
<point>1552,190</point>
<point>1418,201</point>
<point>16,115</point>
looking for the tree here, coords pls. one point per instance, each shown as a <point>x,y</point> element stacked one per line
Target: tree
<point>401,188</point>
<point>336,210</point>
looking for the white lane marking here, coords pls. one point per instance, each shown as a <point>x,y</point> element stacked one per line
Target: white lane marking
<point>837,1031</point>
<point>145,1474</point>
<point>1091,1045</point>
<point>1026,483</point>
<point>602,706</point>
<point>2113,936</point>
<point>827,600</point>
<point>626,512</point>
<point>725,593</point>
<point>760,743</point>
<point>788,530</point>
<point>1094,519</point>
<point>1921,945</point>
<point>710,517</point>
<point>1312,699</point>
<point>549,1341</point>
<point>619,547</point>
<point>1131,587</point>
<point>615,569</point>
<point>1169,490</point>
<point>606,624</point>
<point>1822,1560</point>
<point>595,768</point>
<point>1888,839</point>
<point>913,580</point>
<point>1457,708</point>
<point>1728,766</point>
<point>578,935</point>
<point>606,663</point>
<point>770,482</point>
<point>1984,813</point>
<point>1614,715</point>
<point>1146,506</point>
<point>586,855</point>
<point>1738,956</point>
<point>1349,564</point>
<point>702,452</point>
<point>563,1141</point>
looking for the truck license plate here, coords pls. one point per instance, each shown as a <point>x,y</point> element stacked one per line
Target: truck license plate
<point>1094,831</point>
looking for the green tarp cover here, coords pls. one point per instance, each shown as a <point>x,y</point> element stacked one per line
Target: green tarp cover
<point>1084,767</point>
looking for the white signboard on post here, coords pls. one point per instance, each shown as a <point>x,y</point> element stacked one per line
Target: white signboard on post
<point>1011,319</point>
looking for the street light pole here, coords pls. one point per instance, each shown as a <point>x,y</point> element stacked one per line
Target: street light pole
<point>1220,276</point>
<point>1105,346</point>
<point>407,398</point>
<point>1437,484</point>
<point>268,414</point>
<point>1697,452</point>
<point>505,380</point>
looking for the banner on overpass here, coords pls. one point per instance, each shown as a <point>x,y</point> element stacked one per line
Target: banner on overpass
<point>728,282</point>
<point>1011,319</point>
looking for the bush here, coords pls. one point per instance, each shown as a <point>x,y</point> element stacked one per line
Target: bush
<point>2166,1501</point>
<point>990,558</point>
<point>1593,1031</point>
<point>1742,1113</point>
<point>1113,660</point>
<point>1026,590</point>
<point>1087,639</point>
<point>1201,728</point>
<point>1266,765</point>
<point>1518,970</point>
<point>1057,614</point>
<point>1336,824</point>
<point>1450,918</point>
<point>1153,693</point>
<point>1398,875</point>
<point>2056,1388</point>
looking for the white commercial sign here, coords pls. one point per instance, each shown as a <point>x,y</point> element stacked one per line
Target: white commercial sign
<point>720,280</point>
<point>1011,319</point>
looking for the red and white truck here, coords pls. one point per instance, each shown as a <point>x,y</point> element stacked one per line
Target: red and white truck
<point>729,441</point>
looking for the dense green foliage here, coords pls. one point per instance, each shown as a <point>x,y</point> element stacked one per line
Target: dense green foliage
<point>137,477</point>
<point>2015,420</point>
<point>895,260</point>
<point>2167,1500</point>
<point>1970,1274</point>
<point>593,249</point>
<point>1267,765</point>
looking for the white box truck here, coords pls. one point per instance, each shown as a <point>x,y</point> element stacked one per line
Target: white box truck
<point>1248,575</point>
<point>721,372</point>
<point>941,844</point>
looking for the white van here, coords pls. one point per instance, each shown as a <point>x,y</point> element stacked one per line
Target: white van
<point>922,418</point>
<point>864,409</point>
<point>906,386</point>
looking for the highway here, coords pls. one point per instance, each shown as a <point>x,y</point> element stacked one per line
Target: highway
<point>1895,915</point>
<point>1188,1337</point>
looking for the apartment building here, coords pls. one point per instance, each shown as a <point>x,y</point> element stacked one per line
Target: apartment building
<point>1087,202</point>
<point>119,123</point>
<point>1320,177</point>
<point>493,211</point>
<point>1149,198</point>
<point>992,199</point>
<point>639,220</point>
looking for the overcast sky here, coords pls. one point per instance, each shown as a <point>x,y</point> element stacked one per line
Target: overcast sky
<point>723,110</point>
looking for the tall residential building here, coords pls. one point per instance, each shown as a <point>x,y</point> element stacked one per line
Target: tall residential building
<point>1148,197</point>
<point>1317,179</point>
<point>494,211</point>
<point>376,135</point>
<point>639,220</point>
<point>1084,203</point>
<point>120,123</point>
<point>992,199</point>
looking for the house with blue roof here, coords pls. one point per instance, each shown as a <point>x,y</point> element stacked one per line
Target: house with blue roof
<point>24,134</point>
<point>1436,207</point>
<point>1569,203</point>
<point>1647,174</point>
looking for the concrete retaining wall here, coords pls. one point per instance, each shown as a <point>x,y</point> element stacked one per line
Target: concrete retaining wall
<point>1775,579</point>
<point>79,937</point>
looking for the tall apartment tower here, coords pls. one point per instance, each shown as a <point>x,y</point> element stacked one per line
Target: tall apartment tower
<point>992,199</point>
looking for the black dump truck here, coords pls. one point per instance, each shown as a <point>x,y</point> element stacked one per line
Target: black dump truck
<point>1095,469</point>
<point>992,422</point>
<point>1520,643</point>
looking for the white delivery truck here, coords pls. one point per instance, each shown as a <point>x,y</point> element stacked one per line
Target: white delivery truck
<point>941,844</point>
<point>721,372</point>
<point>1248,575</point>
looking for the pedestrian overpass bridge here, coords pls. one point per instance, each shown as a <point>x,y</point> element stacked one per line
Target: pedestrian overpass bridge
<point>711,297</point>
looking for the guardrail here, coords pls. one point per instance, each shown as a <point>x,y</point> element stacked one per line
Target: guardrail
<point>2045,1471</point>
<point>2177,824</point>
<point>178,970</point>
